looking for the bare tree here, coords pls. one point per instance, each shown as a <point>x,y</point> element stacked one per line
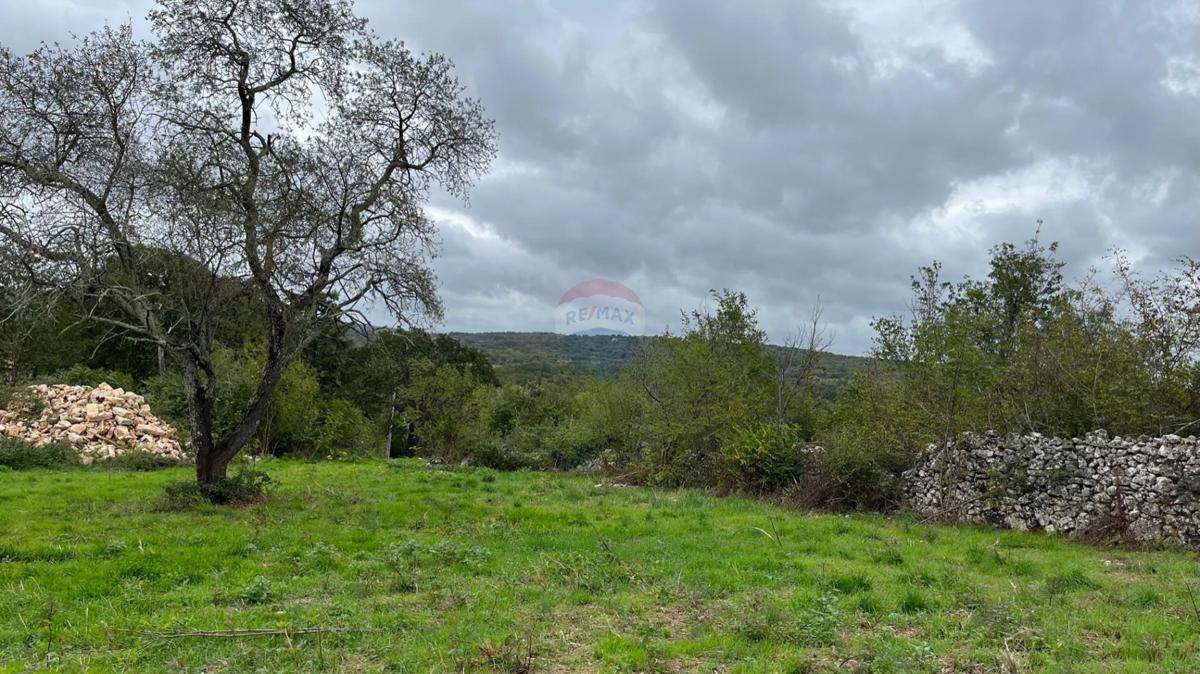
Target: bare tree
<point>799,360</point>
<point>270,153</point>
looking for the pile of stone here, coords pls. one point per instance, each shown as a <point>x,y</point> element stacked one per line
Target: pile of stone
<point>1138,489</point>
<point>102,423</point>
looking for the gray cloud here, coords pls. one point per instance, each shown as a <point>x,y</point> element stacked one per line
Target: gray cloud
<point>791,150</point>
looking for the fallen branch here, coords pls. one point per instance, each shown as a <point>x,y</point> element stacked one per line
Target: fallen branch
<point>238,634</point>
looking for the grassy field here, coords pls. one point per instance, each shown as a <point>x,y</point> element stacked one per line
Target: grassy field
<point>405,568</point>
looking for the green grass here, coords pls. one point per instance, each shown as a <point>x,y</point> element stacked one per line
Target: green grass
<point>426,570</point>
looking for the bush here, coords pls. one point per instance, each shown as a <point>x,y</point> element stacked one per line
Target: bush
<point>873,435</point>
<point>343,432</point>
<point>859,475</point>
<point>767,456</point>
<point>441,405</point>
<point>142,461</point>
<point>258,591</point>
<point>548,425</point>
<point>20,455</point>
<point>715,377</point>
<point>300,421</point>
<point>164,394</point>
<point>244,487</point>
<point>293,425</point>
<point>520,450</point>
<point>607,422</point>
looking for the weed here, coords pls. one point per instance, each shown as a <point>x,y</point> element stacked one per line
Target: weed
<point>1067,581</point>
<point>817,621</point>
<point>853,583</point>
<point>413,553</point>
<point>914,601</point>
<point>511,656</point>
<point>1146,597</point>
<point>889,556</point>
<point>258,591</point>
<point>758,617</point>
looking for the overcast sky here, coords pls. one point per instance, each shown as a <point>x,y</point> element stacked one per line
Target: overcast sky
<point>792,150</point>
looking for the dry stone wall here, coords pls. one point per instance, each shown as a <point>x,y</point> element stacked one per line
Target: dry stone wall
<point>1142,490</point>
<point>100,422</point>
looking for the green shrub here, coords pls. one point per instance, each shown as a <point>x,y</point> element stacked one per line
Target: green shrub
<point>552,425</point>
<point>17,454</point>
<point>507,425</point>
<point>767,455</point>
<point>244,487</point>
<point>164,394</point>
<point>300,421</point>
<point>343,431</point>
<point>141,461</point>
<point>716,376</point>
<point>859,475</point>
<point>871,438</point>
<point>441,406</point>
<point>294,424</point>
<point>607,422</point>
<point>258,591</point>
<point>511,453</point>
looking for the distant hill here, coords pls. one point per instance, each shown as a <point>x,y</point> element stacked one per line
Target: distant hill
<point>525,356</point>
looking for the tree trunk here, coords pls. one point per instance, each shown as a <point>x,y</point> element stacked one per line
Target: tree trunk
<point>213,455</point>
<point>199,389</point>
<point>210,469</point>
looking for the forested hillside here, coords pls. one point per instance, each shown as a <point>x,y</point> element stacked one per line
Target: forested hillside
<point>524,356</point>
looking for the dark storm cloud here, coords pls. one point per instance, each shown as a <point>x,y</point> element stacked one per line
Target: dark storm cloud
<point>793,150</point>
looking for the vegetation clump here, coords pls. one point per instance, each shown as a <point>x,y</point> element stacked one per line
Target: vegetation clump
<point>17,454</point>
<point>243,487</point>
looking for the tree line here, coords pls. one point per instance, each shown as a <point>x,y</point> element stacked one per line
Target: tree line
<point>713,405</point>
